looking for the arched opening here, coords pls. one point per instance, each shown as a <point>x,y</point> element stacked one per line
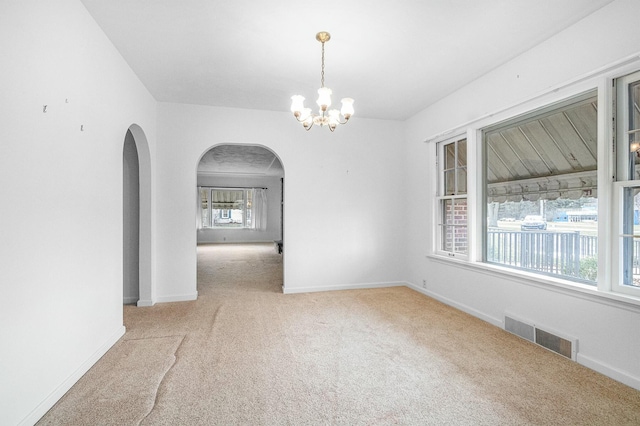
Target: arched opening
<point>130,222</point>
<point>240,200</point>
<point>137,220</point>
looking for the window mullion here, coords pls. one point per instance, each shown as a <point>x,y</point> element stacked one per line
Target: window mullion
<point>606,170</point>
<point>210,209</point>
<point>474,193</point>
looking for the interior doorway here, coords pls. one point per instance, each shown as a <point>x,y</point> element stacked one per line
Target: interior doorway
<point>131,222</point>
<point>137,277</point>
<point>240,199</point>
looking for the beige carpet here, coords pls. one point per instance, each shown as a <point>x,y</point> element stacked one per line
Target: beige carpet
<point>245,354</point>
<point>124,382</point>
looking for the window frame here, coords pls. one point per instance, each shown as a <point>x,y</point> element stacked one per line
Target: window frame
<point>603,80</point>
<point>545,111</point>
<point>442,198</point>
<point>246,221</point>
<point>623,181</point>
<point>618,239</point>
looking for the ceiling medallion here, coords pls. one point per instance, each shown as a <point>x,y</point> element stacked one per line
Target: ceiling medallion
<point>330,118</point>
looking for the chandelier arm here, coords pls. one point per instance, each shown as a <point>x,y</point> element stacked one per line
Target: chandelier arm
<point>307,128</point>
<point>297,117</point>
<point>342,122</point>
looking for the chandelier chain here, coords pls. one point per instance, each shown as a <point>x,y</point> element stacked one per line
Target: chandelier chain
<point>322,73</point>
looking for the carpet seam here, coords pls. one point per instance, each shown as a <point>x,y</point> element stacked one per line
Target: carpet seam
<point>175,359</point>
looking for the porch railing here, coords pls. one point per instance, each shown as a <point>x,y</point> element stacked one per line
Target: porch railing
<point>545,251</point>
<point>557,253</point>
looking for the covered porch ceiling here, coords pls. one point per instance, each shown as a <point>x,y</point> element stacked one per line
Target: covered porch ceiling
<point>549,156</point>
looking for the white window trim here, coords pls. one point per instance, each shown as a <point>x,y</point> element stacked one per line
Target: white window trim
<point>439,189</point>
<point>621,157</point>
<point>601,80</point>
<point>210,208</point>
<point>617,242</point>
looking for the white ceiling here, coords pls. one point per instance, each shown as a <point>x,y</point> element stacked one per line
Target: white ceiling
<point>394,58</point>
<point>240,160</point>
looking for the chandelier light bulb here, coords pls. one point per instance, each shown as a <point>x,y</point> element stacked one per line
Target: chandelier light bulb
<point>326,117</point>
<point>306,114</point>
<point>334,119</point>
<point>308,122</point>
<point>347,108</point>
<point>324,98</point>
<point>297,104</point>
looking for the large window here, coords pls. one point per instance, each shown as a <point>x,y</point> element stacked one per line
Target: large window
<point>627,191</point>
<point>232,208</point>
<point>557,194</point>
<point>452,197</point>
<point>540,188</point>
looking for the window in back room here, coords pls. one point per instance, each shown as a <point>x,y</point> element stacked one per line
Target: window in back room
<point>232,208</point>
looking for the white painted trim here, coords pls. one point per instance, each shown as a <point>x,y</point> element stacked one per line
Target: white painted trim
<point>609,371</point>
<point>145,303</point>
<point>498,322</point>
<point>64,387</point>
<point>129,300</point>
<point>177,298</point>
<point>296,290</point>
<point>266,241</point>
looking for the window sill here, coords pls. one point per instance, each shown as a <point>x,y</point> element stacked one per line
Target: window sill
<point>558,285</point>
<point>223,228</point>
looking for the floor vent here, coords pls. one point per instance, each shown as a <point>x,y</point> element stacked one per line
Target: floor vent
<point>519,328</point>
<point>562,345</point>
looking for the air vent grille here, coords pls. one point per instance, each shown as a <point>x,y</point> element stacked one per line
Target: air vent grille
<point>564,346</point>
<point>555,343</point>
<point>519,328</point>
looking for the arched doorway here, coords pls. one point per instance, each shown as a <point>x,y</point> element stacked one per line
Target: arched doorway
<point>137,220</point>
<point>240,196</point>
<point>130,222</point>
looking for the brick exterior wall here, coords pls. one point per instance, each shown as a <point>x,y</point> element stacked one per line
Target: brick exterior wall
<point>455,230</point>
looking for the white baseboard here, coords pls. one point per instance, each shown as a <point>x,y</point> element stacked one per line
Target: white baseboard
<point>609,371</point>
<point>177,298</point>
<point>464,308</point>
<point>143,303</point>
<point>130,300</point>
<point>64,387</point>
<point>593,364</point>
<point>294,290</point>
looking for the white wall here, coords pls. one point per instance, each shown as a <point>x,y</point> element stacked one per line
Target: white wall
<point>345,201</point>
<point>61,208</point>
<point>271,232</point>
<point>608,336</point>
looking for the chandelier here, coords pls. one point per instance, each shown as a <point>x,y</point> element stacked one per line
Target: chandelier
<point>325,117</point>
